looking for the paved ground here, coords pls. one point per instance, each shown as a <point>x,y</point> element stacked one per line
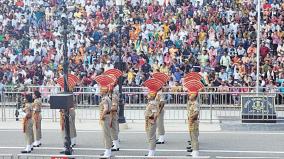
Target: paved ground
<point>214,140</point>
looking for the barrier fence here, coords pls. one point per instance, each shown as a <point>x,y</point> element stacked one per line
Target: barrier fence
<point>212,105</point>
<point>55,89</point>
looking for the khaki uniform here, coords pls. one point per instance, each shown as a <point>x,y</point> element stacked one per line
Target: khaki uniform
<point>37,119</point>
<point>28,124</point>
<point>151,124</point>
<point>194,125</point>
<point>72,126</point>
<point>114,117</point>
<point>105,123</point>
<point>160,120</point>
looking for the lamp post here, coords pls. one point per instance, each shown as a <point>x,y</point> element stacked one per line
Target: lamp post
<point>67,140</point>
<point>121,119</point>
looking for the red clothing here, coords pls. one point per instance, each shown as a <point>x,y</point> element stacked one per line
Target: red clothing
<point>20,4</point>
<point>264,51</point>
<point>150,10</point>
<point>267,6</point>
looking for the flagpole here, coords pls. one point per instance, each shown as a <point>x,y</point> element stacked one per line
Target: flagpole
<point>67,142</point>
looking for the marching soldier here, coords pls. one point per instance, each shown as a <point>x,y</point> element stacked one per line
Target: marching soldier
<point>73,133</point>
<point>114,119</point>
<point>105,108</point>
<point>151,114</point>
<point>28,123</point>
<point>193,86</point>
<point>161,103</point>
<point>71,83</point>
<point>37,119</point>
<point>114,96</point>
<point>160,120</point>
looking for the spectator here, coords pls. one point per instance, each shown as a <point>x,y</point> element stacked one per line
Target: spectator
<point>173,37</point>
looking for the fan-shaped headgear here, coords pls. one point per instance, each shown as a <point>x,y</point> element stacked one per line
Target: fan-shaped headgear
<point>153,85</point>
<point>193,86</point>
<point>104,81</point>
<point>161,76</point>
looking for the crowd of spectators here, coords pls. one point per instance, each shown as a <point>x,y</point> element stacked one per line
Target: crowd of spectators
<point>216,38</point>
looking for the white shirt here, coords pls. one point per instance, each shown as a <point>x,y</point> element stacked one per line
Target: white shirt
<point>30,59</point>
<point>225,60</point>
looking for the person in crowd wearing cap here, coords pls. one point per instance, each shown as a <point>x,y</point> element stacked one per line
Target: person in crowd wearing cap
<point>28,123</point>
<point>37,118</point>
<point>105,108</point>
<point>114,96</point>
<point>161,103</point>
<point>151,113</point>
<point>193,86</point>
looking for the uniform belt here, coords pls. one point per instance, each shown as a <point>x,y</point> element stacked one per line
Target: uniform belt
<point>108,113</point>
<point>114,110</point>
<point>151,118</point>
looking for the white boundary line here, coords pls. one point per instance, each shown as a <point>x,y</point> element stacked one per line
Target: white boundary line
<point>159,150</point>
<point>115,156</point>
<point>222,157</point>
<point>168,132</point>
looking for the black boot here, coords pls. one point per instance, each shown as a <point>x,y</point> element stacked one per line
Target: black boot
<point>158,142</point>
<point>113,149</point>
<point>25,151</point>
<point>189,150</point>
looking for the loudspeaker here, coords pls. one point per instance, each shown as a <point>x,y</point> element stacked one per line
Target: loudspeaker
<point>61,101</point>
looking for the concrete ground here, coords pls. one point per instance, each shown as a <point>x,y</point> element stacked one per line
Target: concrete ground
<point>217,140</point>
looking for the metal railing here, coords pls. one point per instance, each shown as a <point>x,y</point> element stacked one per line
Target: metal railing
<point>229,106</point>
<point>55,89</point>
<point>212,105</point>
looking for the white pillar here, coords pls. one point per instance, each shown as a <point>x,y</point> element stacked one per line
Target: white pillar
<point>258,46</point>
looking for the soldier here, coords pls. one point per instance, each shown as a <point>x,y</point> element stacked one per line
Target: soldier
<point>73,133</point>
<point>160,120</point>
<point>105,108</point>
<point>114,119</point>
<point>193,86</point>
<point>193,76</point>
<point>161,103</point>
<point>151,114</point>
<point>71,83</point>
<point>37,118</point>
<point>114,96</point>
<point>28,123</point>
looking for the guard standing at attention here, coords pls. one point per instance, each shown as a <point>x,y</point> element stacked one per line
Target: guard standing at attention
<point>151,114</point>
<point>105,108</point>
<point>191,76</point>
<point>71,83</point>
<point>28,123</point>
<point>114,96</point>
<point>72,126</point>
<point>193,86</point>
<point>37,118</point>
<point>161,104</point>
